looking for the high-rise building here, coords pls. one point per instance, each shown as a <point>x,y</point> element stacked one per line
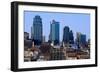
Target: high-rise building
<point>26,35</point>
<point>71,37</point>
<point>31,33</point>
<point>43,39</point>
<point>80,38</point>
<point>27,41</point>
<point>83,39</point>
<point>68,35</point>
<point>36,31</point>
<point>54,32</point>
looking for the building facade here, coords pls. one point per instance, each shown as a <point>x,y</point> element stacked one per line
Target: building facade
<point>36,30</point>
<point>68,35</point>
<point>71,37</point>
<point>54,32</point>
<point>83,39</point>
<point>26,35</point>
<point>56,54</point>
<point>43,39</point>
<point>80,39</point>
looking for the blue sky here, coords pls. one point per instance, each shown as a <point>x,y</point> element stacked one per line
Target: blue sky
<point>77,22</point>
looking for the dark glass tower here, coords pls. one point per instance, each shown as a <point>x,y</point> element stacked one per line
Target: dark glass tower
<point>54,32</point>
<point>71,37</point>
<point>80,39</point>
<point>37,30</point>
<point>66,34</point>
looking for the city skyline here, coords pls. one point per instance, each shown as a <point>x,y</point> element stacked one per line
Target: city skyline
<point>68,18</point>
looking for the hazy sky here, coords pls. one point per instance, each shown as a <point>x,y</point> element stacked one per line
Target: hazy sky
<point>77,22</point>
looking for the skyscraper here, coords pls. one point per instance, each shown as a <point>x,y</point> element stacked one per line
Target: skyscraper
<point>31,32</point>
<point>80,38</point>
<point>26,35</point>
<point>54,32</point>
<point>71,37</point>
<point>68,35</point>
<point>83,39</point>
<point>36,31</point>
<point>43,39</point>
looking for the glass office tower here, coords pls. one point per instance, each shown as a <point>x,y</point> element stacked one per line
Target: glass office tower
<point>54,32</point>
<point>36,31</point>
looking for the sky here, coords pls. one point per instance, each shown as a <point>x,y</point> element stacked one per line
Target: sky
<point>77,22</point>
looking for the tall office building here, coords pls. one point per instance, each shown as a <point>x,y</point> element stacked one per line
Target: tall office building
<point>36,31</point>
<point>68,35</point>
<point>26,35</point>
<point>43,39</point>
<point>80,38</point>
<point>31,32</point>
<point>27,41</point>
<point>83,39</point>
<point>54,32</point>
<point>71,37</point>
